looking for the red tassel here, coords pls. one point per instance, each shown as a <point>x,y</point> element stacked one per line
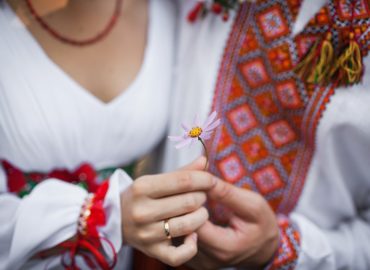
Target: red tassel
<point>216,8</point>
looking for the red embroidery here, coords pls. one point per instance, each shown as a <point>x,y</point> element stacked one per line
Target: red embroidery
<point>16,179</point>
<point>289,246</point>
<point>88,242</point>
<point>22,183</point>
<point>269,115</point>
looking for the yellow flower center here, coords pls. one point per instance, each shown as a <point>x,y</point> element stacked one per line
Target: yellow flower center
<point>195,132</point>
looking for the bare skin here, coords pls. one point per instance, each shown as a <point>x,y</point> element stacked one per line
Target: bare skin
<point>177,196</point>
<point>106,68</point>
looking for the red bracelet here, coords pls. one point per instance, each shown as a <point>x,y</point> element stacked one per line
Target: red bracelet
<point>88,243</point>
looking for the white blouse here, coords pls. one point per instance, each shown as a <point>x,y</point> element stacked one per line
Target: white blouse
<point>49,121</point>
<point>333,212</point>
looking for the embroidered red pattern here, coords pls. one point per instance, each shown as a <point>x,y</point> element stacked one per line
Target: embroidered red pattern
<point>269,115</point>
<point>289,246</point>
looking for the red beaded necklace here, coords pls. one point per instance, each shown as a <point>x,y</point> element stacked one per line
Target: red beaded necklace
<point>72,41</point>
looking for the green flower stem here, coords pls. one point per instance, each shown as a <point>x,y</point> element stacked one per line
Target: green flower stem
<point>205,151</point>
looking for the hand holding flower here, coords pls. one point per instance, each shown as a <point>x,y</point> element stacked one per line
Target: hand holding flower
<point>176,198</point>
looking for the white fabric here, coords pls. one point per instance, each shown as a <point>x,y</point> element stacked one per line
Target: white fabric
<point>333,213</point>
<point>48,121</point>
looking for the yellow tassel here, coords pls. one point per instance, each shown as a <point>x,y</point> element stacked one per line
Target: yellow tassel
<point>326,58</point>
<point>349,67</point>
<point>304,67</point>
<point>316,66</point>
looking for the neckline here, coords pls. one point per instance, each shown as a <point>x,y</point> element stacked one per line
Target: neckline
<point>76,87</point>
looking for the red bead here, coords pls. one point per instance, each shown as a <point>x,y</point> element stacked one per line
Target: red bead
<point>225,16</point>
<point>216,8</point>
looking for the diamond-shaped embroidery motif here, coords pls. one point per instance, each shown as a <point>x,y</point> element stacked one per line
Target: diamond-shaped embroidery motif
<point>231,168</point>
<point>224,141</point>
<point>255,149</point>
<point>322,18</point>
<point>286,251</point>
<point>272,23</point>
<point>255,73</point>
<point>242,119</point>
<point>266,104</point>
<point>250,42</point>
<point>304,43</point>
<point>236,90</point>
<point>280,58</point>
<point>287,160</point>
<point>288,94</point>
<point>361,9</point>
<point>281,133</point>
<point>268,180</point>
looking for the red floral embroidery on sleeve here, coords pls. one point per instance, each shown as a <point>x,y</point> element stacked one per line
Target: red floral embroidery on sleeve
<point>288,252</point>
<point>87,243</point>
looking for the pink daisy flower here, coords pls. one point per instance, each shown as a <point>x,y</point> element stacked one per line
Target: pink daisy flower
<point>196,132</point>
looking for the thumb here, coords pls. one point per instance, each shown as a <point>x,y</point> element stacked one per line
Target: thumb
<point>242,202</point>
<point>197,165</point>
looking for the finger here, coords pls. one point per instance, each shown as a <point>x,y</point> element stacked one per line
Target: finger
<point>178,226</point>
<point>178,205</point>
<point>242,202</point>
<point>158,186</point>
<point>216,237</point>
<point>189,223</point>
<point>174,256</point>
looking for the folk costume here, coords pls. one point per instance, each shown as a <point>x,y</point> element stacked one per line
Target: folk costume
<point>290,80</point>
<point>60,148</point>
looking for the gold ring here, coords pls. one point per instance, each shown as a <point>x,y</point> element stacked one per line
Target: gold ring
<point>167,229</point>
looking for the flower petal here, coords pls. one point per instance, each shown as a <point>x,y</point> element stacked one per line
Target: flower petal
<point>205,136</point>
<point>210,119</point>
<point>184,143</point>
<point>212,125</point>
<point>185,127</point>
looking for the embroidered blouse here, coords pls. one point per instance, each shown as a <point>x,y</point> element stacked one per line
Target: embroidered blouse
<point>307,153</point>
<point>48,122</point>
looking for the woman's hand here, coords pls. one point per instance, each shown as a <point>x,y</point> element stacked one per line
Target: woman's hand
<point>178,197</point>
<point>251,239</point>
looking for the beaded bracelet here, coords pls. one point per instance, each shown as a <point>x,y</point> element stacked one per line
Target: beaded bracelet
<point>87,242</point>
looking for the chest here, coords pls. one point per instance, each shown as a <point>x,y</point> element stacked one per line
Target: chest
<point>49,119</point>
<point>105,68</point>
